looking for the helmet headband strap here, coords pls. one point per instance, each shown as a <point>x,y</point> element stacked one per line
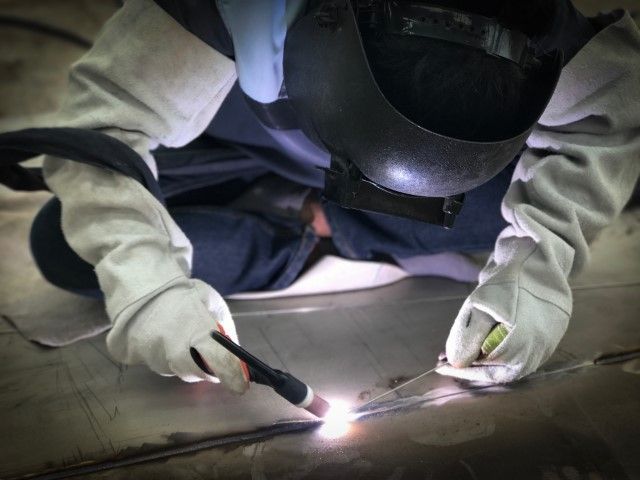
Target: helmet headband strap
<point>462,28</point>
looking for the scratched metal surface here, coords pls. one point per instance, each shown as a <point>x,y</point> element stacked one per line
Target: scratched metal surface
<point>73,406</point>
<point>70,405</point>
<point>581,424</point>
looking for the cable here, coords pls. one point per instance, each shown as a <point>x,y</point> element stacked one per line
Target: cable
<point>45,29</point>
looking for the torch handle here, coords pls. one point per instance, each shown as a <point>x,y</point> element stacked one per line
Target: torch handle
<point>259,371</point>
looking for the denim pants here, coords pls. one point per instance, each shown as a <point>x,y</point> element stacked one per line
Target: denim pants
<point>236,250</point>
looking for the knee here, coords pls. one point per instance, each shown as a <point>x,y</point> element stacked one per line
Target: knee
<point>55,259</point>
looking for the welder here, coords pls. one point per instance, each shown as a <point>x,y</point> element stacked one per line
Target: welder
<point>207,148</point>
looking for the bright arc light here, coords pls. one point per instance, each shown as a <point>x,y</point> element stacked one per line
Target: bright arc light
<point>337,421</point>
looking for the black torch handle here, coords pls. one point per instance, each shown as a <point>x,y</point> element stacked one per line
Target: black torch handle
<point>284,384</point>
<point>259,371</point>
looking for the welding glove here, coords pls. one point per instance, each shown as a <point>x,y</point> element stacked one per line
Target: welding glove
<point>143,260</point>
<point>535,325</point>
<point>170,333</point>
<point>576,176</point>
<point>141,257</point>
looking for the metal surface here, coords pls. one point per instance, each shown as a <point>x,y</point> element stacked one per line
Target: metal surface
<point>73,406</point>
<point>577,425</point>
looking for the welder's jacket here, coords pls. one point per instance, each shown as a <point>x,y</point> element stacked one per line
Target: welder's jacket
<point>152,79</point>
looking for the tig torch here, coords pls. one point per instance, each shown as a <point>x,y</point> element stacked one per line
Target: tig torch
<point>283,383</point>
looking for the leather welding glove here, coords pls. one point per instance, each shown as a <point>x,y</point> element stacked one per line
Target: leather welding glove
<point>535,325</point>
<point>174,325</point>
<point>578,173</point>
<point>145,91</point>
<point>143,261</point>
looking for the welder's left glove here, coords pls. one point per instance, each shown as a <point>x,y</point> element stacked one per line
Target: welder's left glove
<point>578,173</point>
<point>535,324</point>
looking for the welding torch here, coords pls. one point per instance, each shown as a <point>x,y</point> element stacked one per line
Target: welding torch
<point>283,383</point>
<point>302,395</point>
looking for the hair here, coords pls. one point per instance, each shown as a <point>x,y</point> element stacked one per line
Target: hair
<point>452,89</point>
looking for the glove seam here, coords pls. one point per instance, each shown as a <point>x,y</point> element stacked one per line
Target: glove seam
<point>517,281</point>
<point>519,287</point>
<point>559,307</point>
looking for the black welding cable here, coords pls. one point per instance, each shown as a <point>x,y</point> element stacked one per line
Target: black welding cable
<point>43,28</point>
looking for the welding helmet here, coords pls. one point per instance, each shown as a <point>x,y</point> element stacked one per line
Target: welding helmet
<point>382,161</point>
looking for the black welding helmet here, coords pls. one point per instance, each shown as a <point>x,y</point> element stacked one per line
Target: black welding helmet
<point>381,160</point>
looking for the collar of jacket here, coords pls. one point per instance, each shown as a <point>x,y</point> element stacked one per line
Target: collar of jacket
<point>258,31</point>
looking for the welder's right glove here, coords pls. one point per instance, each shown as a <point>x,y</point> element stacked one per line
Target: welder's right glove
<point>174,325</point>
<point>143,260</point>
<point>145,91</point>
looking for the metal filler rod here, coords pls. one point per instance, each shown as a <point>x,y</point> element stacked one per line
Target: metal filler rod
<point>402,385</point>
<point>495,338</point>
<point>283,383</point>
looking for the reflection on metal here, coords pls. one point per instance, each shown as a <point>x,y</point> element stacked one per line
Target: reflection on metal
<point>335,427</point>
<point>73,407</point>
<point>559,413</point>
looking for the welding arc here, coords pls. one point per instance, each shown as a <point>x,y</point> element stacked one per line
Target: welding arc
<point>408,382</point>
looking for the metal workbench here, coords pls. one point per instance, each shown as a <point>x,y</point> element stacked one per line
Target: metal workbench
<point>73,410</point>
